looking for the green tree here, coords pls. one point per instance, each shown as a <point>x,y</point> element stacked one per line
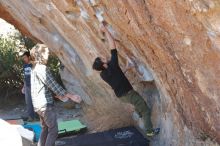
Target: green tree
<point>10,65</point>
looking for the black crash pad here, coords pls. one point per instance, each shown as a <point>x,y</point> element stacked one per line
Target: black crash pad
<point>128,136</point>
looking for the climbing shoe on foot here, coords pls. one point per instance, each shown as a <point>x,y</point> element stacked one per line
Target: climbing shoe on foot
<point>153,132</point>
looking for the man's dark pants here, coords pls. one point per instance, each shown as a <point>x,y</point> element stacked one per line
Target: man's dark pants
<point>141,107</point>
<point>29,104</point>
<point>49,125</point>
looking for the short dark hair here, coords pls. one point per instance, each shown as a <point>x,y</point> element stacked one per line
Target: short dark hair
<point>98,64</point>
<point>27,53</point>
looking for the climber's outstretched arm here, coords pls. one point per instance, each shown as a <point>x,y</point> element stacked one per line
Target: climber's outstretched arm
<point>109,37</point>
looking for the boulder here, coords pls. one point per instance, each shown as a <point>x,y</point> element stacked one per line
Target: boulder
<point>176,45</point>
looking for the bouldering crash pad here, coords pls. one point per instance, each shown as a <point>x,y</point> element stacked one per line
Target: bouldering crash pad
<point>65,128</point>
<point>71,127</point>
<point>128,136</point>
<point>36,128</point>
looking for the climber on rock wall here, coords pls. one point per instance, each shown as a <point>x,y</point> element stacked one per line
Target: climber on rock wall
<point>112,74</point>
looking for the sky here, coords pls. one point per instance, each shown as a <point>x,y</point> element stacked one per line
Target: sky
<point>6,28</point>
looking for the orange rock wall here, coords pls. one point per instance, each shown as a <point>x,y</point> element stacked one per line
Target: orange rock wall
<point>177,41</point>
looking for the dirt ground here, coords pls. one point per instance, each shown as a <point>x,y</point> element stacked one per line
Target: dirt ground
<point>65,111</point>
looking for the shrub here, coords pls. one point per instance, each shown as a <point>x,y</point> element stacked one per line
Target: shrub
<point>11,66</point>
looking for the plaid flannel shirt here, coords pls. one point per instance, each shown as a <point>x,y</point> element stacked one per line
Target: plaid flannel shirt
<point>42,83</point>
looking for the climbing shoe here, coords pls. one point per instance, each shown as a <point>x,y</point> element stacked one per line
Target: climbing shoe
<point>153,132</point>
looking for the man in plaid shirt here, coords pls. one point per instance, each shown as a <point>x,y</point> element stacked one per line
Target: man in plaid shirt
<point>42,83</point>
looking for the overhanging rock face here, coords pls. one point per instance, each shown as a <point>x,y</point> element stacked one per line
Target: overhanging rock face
<point>175,42</point>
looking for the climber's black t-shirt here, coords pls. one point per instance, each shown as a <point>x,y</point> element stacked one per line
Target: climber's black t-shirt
<point>114,76</point>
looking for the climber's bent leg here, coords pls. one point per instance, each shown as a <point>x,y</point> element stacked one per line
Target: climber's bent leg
<point>140,107</point>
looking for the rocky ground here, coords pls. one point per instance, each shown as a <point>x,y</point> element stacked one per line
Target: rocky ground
<point>65,111</point>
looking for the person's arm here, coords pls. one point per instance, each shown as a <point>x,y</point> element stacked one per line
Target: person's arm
<point>112,45</point>
<point>51,83</point>
<point>109,37</point>
<point>58,90</point>
<point>23,89</point>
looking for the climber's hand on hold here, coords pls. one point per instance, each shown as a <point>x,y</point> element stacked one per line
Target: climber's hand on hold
<point>108,35</point>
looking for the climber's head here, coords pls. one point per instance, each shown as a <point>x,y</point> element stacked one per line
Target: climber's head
<point>100,64</point>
